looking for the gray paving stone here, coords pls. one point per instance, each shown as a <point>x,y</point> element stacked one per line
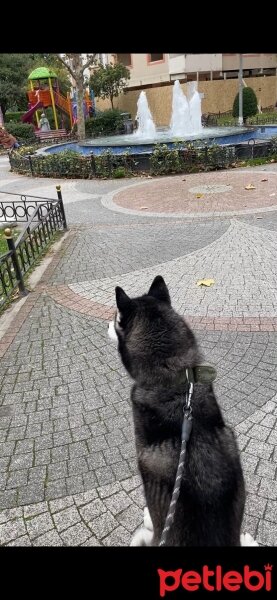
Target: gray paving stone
<point>119,537</point>
<point>267,469</point>
<point>93,509</point>
<point>20,542</point>
<point>92,541</point>
<point>108,490</point>
<point>131,483</point>
<point>51,538</point>
<point>35,509</point>
<point>103,525</point>
<point>121,470</point>
<point>75,484</point>
<point>55,489</point>
<point>117,502</point>
<point>76,535</point>
<point>255,505</point>
<point>12,530</point>
<point>268,488</point>
<point>8,499</point>
<point>271,512</point>
<point>66,518</point>
<point>104,475</point>
<point>38,525</point>
<point>267,533</point>
<point>57,470</point>
<point>58,505</point>
<point>131,518</point>
<point>260,449</point>
<point>85,498</point>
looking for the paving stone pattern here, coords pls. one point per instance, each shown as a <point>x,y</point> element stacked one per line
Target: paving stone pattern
<point>68,472</point>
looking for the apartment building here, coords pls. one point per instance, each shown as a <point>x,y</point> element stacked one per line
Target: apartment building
<point>157,68</point>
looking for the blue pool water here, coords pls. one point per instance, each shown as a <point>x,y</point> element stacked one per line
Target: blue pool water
<point>131,144</point>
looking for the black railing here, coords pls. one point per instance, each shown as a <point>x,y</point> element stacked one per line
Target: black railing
<point>44,217</point>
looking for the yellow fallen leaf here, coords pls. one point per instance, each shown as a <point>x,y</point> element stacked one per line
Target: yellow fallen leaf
<point>206,282</point>
<point>199,195</point>
<point>250,186</point>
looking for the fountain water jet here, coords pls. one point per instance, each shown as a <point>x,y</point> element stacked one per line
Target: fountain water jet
<point>180,119</point>
<point>186,114</point>
<point>195,108</point>
<point>146,127</point>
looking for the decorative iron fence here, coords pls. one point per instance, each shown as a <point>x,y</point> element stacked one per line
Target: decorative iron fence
<point>44,217</point>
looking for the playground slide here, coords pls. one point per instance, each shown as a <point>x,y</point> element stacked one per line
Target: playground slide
<point>27,117</point>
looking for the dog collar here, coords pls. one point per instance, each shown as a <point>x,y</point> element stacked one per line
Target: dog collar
<point>199,374</point>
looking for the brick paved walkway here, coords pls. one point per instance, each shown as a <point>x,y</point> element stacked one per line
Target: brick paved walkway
<point>68,473</point>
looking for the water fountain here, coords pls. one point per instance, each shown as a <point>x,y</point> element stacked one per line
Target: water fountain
<point>146,127</point>
<point>185,125</point>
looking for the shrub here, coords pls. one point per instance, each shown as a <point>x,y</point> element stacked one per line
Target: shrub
<point>22,131</point>
<point>119,172</point>
<point>14,117</point>
<point>105,123</point>
<point>164,160</point>
<point>250,105</point>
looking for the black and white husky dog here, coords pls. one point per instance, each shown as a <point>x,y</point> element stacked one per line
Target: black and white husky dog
<point>156,346</point>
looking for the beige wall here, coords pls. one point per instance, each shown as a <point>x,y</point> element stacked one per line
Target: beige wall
<point>219,97</point>
<point>203,62</point>
<point>230,62</point>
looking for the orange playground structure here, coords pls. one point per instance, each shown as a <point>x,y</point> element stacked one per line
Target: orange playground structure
<point>44,92</point>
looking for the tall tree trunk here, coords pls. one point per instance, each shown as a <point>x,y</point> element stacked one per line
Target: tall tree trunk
<point>111,98</point>
<point>76,70</point>
<point>79,79</point>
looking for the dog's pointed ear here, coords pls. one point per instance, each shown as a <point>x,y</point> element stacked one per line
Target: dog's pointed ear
<point>122,300</point>
<point>159,290</point>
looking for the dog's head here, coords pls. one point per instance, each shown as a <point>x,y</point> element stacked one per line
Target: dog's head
<point>153,340</point>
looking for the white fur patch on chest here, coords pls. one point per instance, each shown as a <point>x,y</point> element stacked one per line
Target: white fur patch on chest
<point>112,332</point>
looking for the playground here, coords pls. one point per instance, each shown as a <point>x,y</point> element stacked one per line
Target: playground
<point>45,92</point>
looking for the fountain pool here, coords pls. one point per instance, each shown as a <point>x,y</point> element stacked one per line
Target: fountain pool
<point>185,126</point>
<point>119,144</point>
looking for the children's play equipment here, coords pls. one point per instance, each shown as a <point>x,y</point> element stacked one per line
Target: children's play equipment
<point>44,92</point>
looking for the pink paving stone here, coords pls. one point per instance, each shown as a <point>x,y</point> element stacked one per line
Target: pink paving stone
<point>172,194</point>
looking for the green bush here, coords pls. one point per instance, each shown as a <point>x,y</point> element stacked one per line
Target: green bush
<point>22,131</point>
<point>105,123</point>
<point>14,117</point>
<point>250,104</point>
<point>119,172</point>
<point>164,160</point>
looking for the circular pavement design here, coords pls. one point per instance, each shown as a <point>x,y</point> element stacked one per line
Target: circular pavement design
<point>201,193</point>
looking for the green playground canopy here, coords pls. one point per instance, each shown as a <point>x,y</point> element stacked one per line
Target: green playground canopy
<point>42,73</point>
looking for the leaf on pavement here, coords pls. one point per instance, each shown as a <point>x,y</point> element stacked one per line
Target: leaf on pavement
<point>206,282</point>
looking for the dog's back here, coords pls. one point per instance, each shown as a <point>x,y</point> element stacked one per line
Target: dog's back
<point>156,345</point>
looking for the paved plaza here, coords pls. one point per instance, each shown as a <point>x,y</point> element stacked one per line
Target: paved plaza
<point>68,472</point>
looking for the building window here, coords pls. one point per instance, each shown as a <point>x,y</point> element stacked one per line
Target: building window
<point>152,58</point>
<point>125,59</point>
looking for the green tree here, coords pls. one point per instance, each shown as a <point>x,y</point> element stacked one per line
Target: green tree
<point>108,81</point>
<point>14,71</point>
<point>13,81</point>
<point>76,67</point>
<point>250,104</point>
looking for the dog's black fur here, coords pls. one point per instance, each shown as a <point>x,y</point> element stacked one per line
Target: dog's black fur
<point>155,345</point>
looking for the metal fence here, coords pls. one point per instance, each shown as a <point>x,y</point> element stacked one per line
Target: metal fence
<point>43,217</point>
